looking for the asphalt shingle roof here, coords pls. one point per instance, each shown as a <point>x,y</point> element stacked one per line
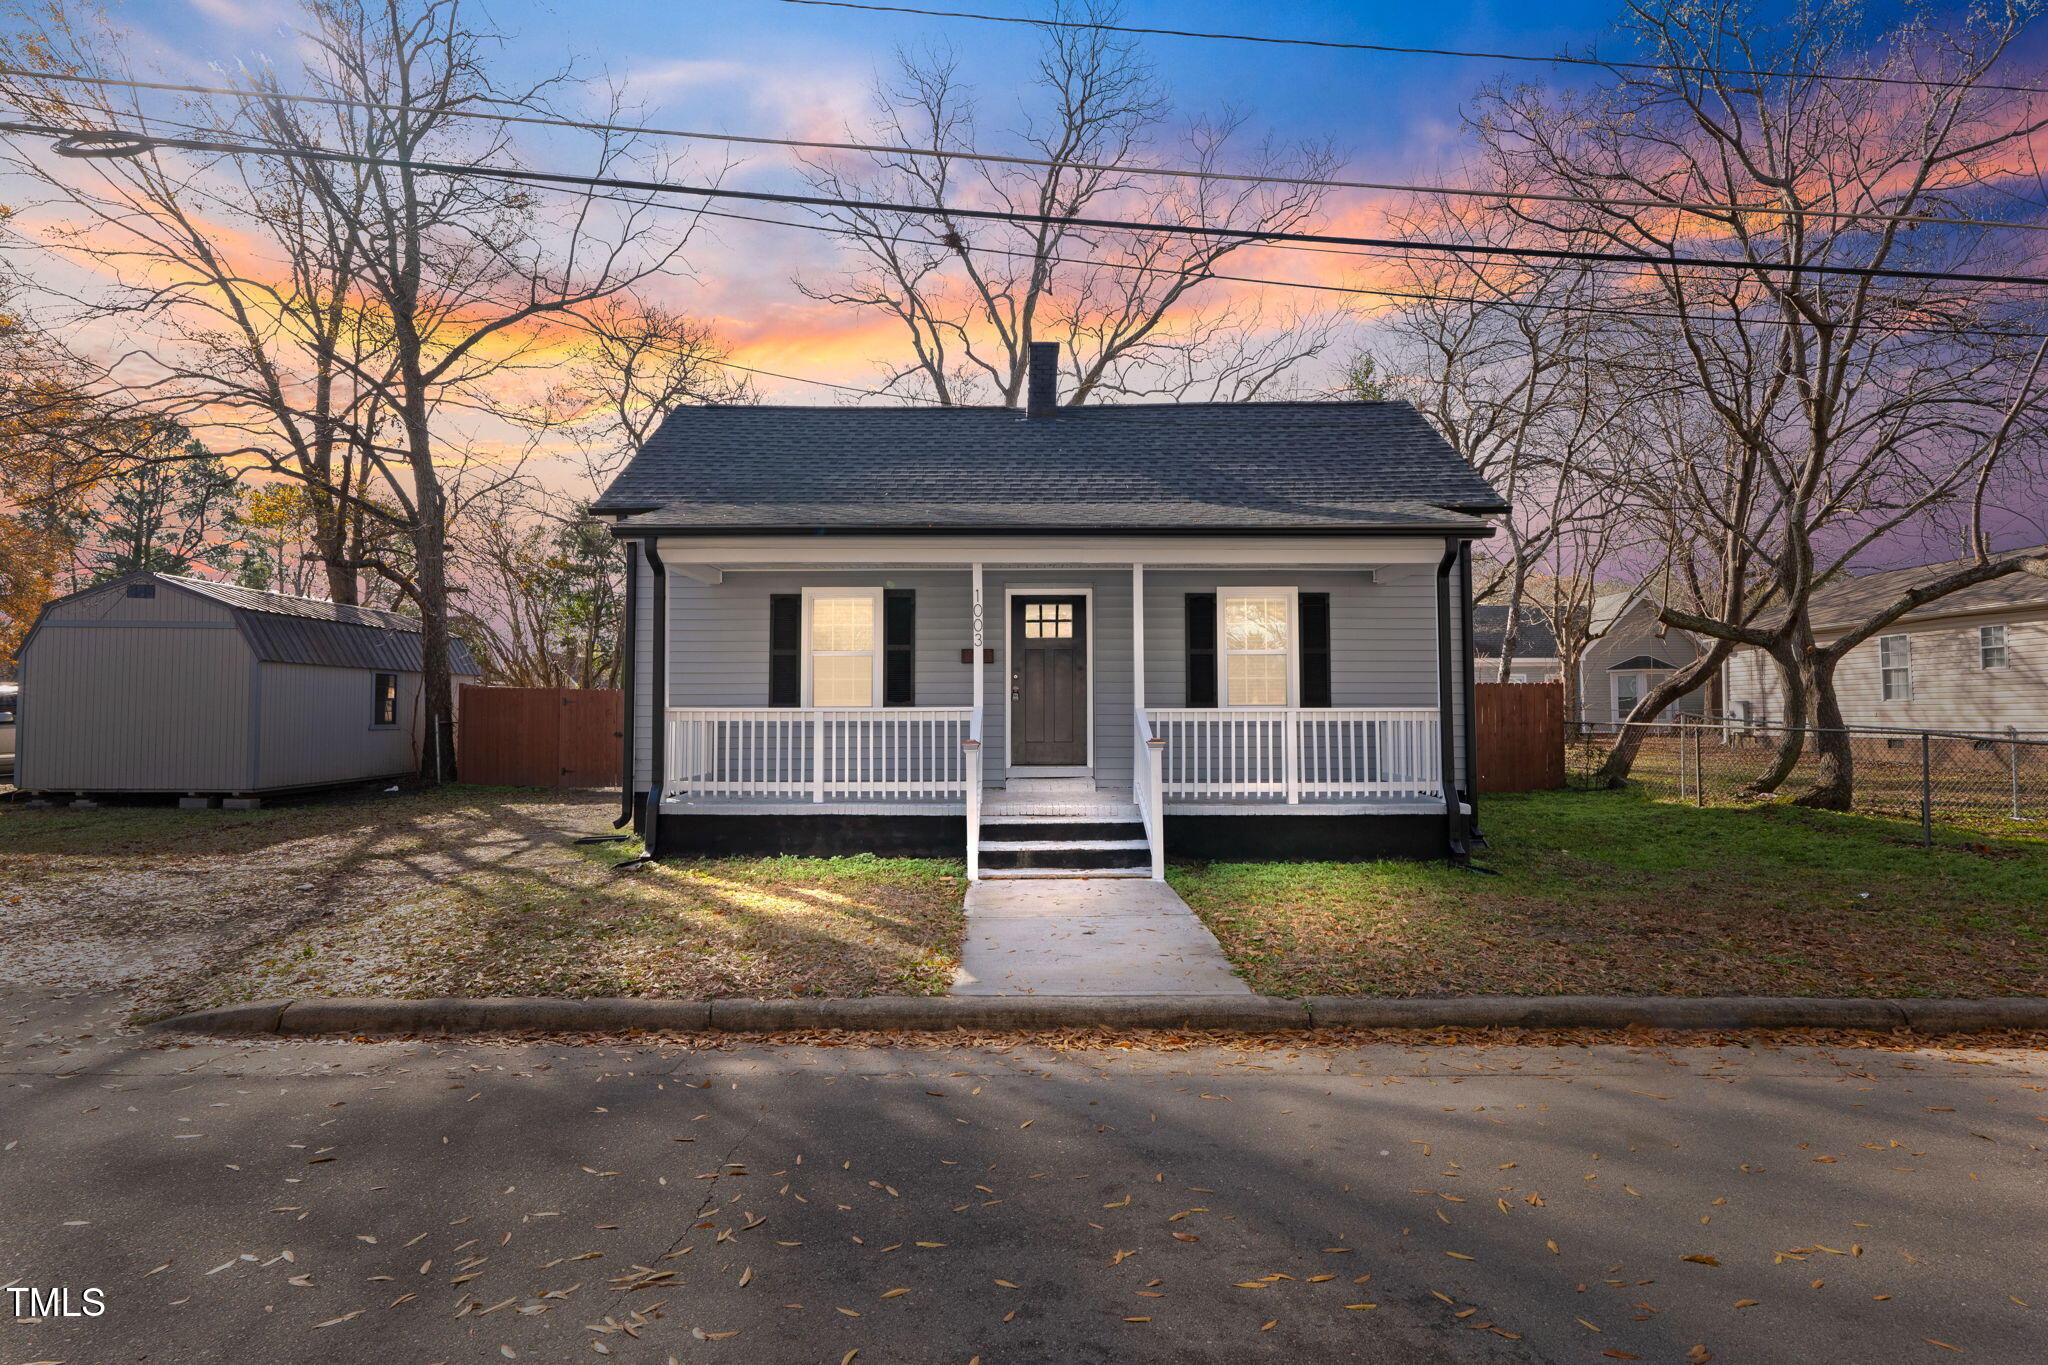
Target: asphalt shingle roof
<point>1846,602</point>
<point>1221,466</point>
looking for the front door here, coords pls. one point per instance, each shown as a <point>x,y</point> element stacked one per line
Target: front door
<point>1049,681</point>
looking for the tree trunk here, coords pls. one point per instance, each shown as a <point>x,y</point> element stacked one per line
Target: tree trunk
<point>1834,782</point>
<point>1622,757</point>
<point>1792,740</point>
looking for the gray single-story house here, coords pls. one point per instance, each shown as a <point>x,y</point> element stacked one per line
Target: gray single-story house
<point>1064,640</point>
<point>159,683</point>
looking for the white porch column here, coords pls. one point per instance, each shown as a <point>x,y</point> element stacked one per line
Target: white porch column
<point>1138,636</point>
<point>980,672</point>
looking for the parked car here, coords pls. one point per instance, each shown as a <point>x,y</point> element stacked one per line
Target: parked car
<point>10,697</point>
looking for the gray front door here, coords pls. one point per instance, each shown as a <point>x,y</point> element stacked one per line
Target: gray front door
<point>1049,681</point>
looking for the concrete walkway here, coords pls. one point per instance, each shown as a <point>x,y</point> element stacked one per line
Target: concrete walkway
<point>1088,936</point>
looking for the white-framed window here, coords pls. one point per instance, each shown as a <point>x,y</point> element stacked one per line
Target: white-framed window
<point>1255,629</point>
<point>1895,667</point>
<point>1991,651</point>
<point>842,646</point>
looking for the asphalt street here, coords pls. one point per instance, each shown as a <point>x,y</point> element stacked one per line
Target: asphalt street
<point>338,1201</point>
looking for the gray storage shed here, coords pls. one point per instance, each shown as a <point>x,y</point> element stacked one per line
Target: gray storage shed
<point>159,683</point>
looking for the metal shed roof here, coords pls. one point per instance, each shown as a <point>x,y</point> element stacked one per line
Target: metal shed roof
<point>282,628</point>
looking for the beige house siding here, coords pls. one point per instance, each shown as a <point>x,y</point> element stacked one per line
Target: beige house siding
<point>1950,691</point>
<point>1635,634</point>
<point>135,707</point>
<point>315,726</point>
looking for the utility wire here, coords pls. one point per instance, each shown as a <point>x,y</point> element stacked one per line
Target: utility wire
<point>999,158</point>
<point>101,140</point>
<point>1465,300</point>
<point>1923,83</point>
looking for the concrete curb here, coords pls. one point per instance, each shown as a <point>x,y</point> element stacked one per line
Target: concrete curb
<point>1258,1013</point>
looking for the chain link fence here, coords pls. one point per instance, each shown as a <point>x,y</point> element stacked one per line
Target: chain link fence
<point>1991,782</point>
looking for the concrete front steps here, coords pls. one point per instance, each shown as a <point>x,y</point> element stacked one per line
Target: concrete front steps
<point>1061,827</point>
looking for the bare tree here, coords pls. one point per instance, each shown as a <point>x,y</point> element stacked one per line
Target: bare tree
<point>1128,309</point>
<point>365,355</point>
<point>1853,405</point>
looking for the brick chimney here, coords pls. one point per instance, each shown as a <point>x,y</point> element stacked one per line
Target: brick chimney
<point>1042,390</point>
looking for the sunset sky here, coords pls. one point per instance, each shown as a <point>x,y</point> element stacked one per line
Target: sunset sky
<point>759,66</point>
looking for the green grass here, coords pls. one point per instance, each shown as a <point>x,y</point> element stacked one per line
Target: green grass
<point>1610,892</point>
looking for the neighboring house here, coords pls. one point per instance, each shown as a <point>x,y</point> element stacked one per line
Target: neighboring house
<point>1535,656</point>
<point>156,683</point>
<point>1629,654</point>
<point>1065,640</point>
<point>1973,660</point>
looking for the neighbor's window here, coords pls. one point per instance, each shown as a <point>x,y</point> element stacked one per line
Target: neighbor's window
<point>1258,635</point>
<point>385,702</point>
<point>1895,667</point>
<point>844,652</point>
<point>1991,647</point>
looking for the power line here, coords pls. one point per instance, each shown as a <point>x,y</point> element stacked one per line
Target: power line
<point>104,142</point>
<point>1000,158</point>
<point>1857,77</point>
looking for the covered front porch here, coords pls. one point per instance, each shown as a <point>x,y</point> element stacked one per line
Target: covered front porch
<point>1136,695</point>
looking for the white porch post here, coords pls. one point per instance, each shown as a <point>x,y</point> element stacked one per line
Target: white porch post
<point>979,681</point>
<point>973,766</point>
<point>1138,636</point>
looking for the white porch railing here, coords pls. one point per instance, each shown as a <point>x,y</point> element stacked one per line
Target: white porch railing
<point>819,754</point>
<point>1295,754</point>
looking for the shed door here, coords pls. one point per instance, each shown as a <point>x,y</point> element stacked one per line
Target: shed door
<point>1049,681</point>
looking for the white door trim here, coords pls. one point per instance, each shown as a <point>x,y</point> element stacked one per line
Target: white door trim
<point>1009,703</point>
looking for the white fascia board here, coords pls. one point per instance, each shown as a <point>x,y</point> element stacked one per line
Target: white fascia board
<point>1004,552</point>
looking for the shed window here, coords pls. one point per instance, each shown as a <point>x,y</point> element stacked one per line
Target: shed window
<point>1895,667</point>
<point>142,589</point>
<point>1991,647</point>
<point>1258,640</point>
<point>384,708</point>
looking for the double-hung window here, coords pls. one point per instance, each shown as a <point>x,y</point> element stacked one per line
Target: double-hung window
<point>1895,667</point>
<point>843,646</point>
<point>1991,652</point>
<point>1257,633</point>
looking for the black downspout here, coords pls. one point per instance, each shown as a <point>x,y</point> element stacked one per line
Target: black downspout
<point>1446,694</point>
<point>1470,721</point>
<point>629,666</point>
<point>657,706</point>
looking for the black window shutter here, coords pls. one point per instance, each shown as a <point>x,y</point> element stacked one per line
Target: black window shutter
<point>1315,648</point>
<point>1201,642</point>
<point>785,649</point>
<point>899,647</point>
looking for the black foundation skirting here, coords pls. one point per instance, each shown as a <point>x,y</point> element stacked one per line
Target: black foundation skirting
<point>1304,838</point>
<point>698,835</point>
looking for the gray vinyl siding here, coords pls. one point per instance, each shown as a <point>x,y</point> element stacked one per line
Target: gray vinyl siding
<point>1635,633</point>
<point>643,674</point>
<point>1383,641</point>
<point>1950,690</point>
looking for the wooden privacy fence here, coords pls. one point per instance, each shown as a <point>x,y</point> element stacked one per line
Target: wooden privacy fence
<point>539,736</point>
<point>1521,736</point>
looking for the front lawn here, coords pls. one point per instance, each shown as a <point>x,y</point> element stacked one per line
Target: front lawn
<point>461,891</point>
<point>1613,893</point>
